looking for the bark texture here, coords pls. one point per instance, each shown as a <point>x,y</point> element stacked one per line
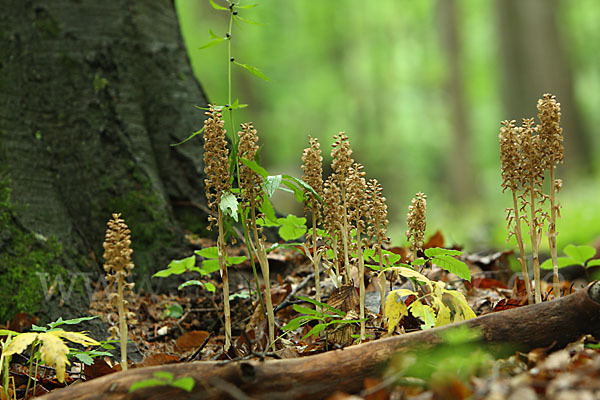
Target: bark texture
<point>555,323</point>
<point>91,95</point>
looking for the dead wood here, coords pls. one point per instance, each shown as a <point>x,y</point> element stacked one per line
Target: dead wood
<point>557,323</point>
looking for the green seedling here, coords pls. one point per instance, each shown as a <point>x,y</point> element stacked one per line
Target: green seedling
<point>172,311</point>
<point>576,255</point>
<point>325,318</point>
<point>162,378</point>
<point>208,266</point>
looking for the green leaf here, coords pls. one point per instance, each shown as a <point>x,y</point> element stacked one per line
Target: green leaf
<point>229,205</point>
<point>315,330</point>
<point>322,305</point>
<point>560,261</point>
<point>209,266</point>
<point>186,383</point>
<point>173,311</point>
<point>192,282</point>
<point>210,287</point>
<point>217,7</point>
<point>419,261</point>
<point>73,321</point>
<point>292,227</point>
<point>236,104</point>
<point>300,183</point>
<point>84,358</point>
<point>208,252</point>
<point>297,322</point>
<point>272,183</point>
<point>248,21</point>
<point>167,376</point>
<point>241,295</point>
<point>147,383</point>
<point>298,193</point>
<point>593,263</point>
<point>177,267</point>
<point>437,251</point>
<point>189,137</point>
<point>305,310</point>
<point>235,260</point>
<point>454,266</point>
<point>245,5</point>
<point>580,253</point>
<point>253,70</point>
<point>211,43</point>
<point>253,165</point>
<point>268,211</point>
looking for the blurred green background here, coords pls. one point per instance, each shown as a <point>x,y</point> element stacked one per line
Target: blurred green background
<point>420,87</point>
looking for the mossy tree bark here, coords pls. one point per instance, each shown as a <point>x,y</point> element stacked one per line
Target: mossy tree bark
<point>91,96</point>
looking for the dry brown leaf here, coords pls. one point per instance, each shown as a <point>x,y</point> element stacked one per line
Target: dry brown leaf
<point>191,340</point>
<point>159,359</point>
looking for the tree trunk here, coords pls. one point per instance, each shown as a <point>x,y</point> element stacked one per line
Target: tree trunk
<point>91,95</point>
<point>533,63</point>
<point>463,183</point>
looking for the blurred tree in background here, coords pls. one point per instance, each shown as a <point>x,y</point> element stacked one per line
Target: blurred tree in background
<point>420,87</point>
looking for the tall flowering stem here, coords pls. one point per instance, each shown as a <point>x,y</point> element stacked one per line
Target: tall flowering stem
<point>118,266</point>
<point>377,229</point>
<point>217,184</point>
<point>416,222</point>
<point>251,199</point>
<point>357,211</point>
<point>341,162</point>
<point>532,178</point>
<point>551,136</point>
<point>510,158</point>
<point>312,167</point>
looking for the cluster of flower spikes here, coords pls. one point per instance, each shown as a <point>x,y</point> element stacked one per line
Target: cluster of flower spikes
<point>376,214</point>
<point>216,160</point>
<point>356,187</point>
<point>550,132</point>
<point>531,168</point>
<point>312,167</point>
<point>416,222</point>
<point>250,181</point>
<point>510,157</point>
<point>118,265</point>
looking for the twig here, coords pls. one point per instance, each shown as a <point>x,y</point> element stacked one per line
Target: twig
<point>193,356</point>
<point>287,301</point>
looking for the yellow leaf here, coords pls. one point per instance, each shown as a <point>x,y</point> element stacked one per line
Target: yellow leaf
<point>77,337</point>
<point>443,315</point>
<point>425,312</point>
<point>395,308</point>
<point>54,352</point>
<point>20,343</point>
<point>463,310</point>
<point>409,273</point>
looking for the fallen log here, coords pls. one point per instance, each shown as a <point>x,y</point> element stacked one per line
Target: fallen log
<point>556,322</point>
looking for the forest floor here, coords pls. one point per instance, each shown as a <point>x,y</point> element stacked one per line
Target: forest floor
<point>188,326</point>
